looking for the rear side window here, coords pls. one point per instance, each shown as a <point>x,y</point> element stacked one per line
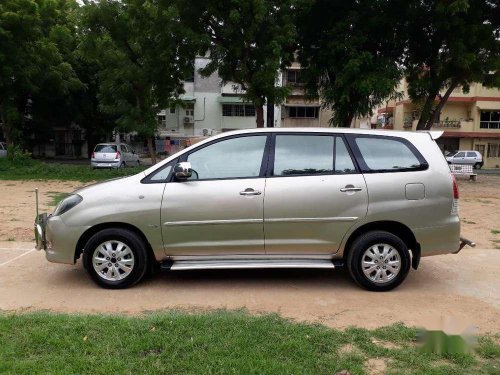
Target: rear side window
<point>123,148</point>
<point>105,148</point>
<point>303,155</point>
<point>388,154</point>
<point>471,155</point>
<point>343,161</point>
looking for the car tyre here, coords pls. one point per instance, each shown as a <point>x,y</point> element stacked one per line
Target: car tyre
<point>106,246</point>
<point>367,253</point>
<point>477,166</point>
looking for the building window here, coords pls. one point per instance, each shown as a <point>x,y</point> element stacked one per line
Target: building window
<point>293,77</point>
<point>490,120</point>
<point>190,109</point>
<point>480,149</point>
<point>172,110</point>
<point>493,150</point>
<point>303,112</point>
<point>238,110</point>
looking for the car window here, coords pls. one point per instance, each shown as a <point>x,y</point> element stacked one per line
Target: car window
<point>471,154</point>
<point>343,161</point>
<point>105,148</point>
<point>303,155</point>
<point>459,155</point>
<point>1,146</point>
<point>231,158</point>
<point>384,154</point>
<point>123,148</point>
<point>162,174</point>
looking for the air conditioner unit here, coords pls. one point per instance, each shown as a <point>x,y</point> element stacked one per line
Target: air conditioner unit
<point>189,120</point>
<point>207,132</point>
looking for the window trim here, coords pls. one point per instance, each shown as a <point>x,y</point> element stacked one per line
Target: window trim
<point>272,154</point>
<point>351,139</point>
<point>148,178</point>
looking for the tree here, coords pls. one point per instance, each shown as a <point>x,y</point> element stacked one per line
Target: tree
<point>350,54</point>
<point>143,52</point>
<point>451,43</point>
<point>248,42</point>
<point>32,66</point>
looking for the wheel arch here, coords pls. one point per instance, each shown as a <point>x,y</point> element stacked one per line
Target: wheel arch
<point>394,227</point>
<point>80,245</point>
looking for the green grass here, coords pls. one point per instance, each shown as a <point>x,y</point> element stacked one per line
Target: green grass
<point>215,343</point>
<point>495,231</point>
<point>56,197</point>
<point>30,169</point>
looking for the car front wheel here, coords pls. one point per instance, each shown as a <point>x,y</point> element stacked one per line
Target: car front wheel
<point>115,258</point>
<point>378,261</point>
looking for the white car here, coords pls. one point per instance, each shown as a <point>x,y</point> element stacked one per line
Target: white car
<point>466,157</point>
<point>114,155</point>
<point>3,150</point>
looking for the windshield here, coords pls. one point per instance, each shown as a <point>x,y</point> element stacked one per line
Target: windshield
<point>105,148</point>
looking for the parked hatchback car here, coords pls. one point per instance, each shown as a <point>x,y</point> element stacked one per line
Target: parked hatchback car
<point>470,157</point>
<point>113,155</point>
<point>3,150</point>
<point>373,201</point>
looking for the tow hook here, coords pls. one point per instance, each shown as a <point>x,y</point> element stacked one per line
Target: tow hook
<point>464,242</point>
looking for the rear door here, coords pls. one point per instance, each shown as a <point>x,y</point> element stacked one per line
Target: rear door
<point>313,195</point>
<point>472,157</point>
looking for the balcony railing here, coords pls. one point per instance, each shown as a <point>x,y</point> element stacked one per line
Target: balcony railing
<point>456,124</point>
<point>407,124</point>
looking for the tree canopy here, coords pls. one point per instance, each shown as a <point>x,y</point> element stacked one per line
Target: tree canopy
<point>248,42</point>
<point>36,37</point>
<point>350,53</point>
<point>144,53</point>
<point>450,44</point>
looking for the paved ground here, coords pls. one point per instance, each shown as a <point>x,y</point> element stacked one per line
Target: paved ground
<point>462,288</point>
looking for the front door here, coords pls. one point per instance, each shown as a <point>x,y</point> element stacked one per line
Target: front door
<point>313,195</point>
<point>219,211</point>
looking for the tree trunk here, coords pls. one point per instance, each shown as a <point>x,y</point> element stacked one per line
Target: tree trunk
<point>270,114</point>
<point>439,107</point>
<point>426,110</point>
<point>348,120</point>
<point>259,111</point>
<point>151,150</point>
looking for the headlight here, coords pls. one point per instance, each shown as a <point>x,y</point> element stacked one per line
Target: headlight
<point>67,204</point>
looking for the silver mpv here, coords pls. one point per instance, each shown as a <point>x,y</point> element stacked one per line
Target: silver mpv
<point>372,201</point>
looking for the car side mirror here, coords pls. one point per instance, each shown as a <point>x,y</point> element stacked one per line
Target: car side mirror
<point>183,170</point>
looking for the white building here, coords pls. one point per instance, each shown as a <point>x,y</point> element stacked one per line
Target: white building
<point>208,107</point>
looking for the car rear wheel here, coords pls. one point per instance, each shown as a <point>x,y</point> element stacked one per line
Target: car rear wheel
<point>115,258</point>
<point>477,166</point>
<point>378,261</point>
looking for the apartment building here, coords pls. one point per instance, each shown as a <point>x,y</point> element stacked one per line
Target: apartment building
<point>207,107</point>
<point>297,110</point>
<point>210,106</point>
<point>470,121</point>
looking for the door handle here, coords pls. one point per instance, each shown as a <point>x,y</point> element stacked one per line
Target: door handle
<point>346,189</point>
<point>250,191</point>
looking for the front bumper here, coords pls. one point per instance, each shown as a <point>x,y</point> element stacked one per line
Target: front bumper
<point>56,238</point>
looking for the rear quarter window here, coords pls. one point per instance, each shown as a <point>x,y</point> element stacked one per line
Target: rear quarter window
<point>387,154</point>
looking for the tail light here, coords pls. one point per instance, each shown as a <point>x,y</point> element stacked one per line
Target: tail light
<point>93,155</point>
<point>118,154</point>
<point>454,207</point>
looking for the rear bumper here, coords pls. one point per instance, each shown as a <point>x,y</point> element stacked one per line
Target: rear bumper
<point>443,239</point>
<point>105,164</point>
<point>57,239</point>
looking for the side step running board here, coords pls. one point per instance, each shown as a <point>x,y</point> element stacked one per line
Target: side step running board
<point>181,265</point>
